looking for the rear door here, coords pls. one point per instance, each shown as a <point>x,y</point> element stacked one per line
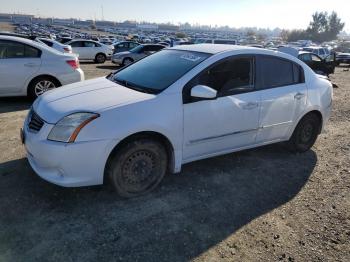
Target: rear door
<point>282,96</point>
<point>90,49</point>
<point>18,63</point>
<point>78,48</point>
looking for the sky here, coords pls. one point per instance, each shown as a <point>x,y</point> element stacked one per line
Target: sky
<point>284,14</point>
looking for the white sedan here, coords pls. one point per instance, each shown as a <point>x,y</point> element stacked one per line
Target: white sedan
<point>179,105</point>
<point>31,68</point>
<point>91,50</point>
<point>56,45</point>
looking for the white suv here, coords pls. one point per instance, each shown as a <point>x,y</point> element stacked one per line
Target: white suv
<point>176,106</point>
<point>31,68</point>
<point>91,50</point>
<point>322,52</point>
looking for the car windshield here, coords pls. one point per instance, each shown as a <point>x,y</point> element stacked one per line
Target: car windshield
<point>157,72</point>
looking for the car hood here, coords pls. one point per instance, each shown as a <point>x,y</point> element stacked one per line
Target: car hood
<point>88,96</point>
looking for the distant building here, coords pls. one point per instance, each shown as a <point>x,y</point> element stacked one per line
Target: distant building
<point>58,21</point>
<point>22,19</point>
<point>83,23</point>
<point>43,21</point>
<point>104,24</point>
<point>16,18</point>
<point>126,25</point>
<point>5,18</point>
<point>147,27</point>
<point>168,27</point>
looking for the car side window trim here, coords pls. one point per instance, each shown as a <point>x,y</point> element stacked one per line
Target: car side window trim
<point>249,88</point>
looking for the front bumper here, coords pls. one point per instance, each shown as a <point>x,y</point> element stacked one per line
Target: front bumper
<point>69,165</point>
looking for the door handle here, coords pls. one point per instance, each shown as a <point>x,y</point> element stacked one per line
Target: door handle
<point>250,105</point>
<point>299,96</point>
<point>30,65</point>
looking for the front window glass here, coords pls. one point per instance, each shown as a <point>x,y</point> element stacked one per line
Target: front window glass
<point>155,73</point>
<point>89,44</point>
<point>228,76</point>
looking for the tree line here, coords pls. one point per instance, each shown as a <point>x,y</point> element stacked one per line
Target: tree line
<point>323,27</point>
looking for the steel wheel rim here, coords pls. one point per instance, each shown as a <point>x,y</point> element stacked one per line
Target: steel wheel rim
<point>43,86</point>
<point>306,133</point>
<point>139,171</point>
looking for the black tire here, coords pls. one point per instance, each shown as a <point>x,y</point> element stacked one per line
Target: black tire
<point>46,82</point>
<point>127,61</point>
<point>137,168</point>
<point>100,58</point>
<point>305,134</point>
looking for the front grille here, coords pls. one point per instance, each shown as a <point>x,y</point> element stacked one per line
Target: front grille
<point>35,122</point>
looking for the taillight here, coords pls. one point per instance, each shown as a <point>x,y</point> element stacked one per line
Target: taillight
<point>73,63</point>
<point>66,49</point>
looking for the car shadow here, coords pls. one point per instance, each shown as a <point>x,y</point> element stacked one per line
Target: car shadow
<point>190,212</point>
<point>12,104</point>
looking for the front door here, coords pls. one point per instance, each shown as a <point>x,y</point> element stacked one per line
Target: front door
<point>18,62</point>
<point>228,122</point>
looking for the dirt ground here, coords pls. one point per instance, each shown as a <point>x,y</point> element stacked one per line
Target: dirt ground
<point>7,27</point>
<point>258,205</point>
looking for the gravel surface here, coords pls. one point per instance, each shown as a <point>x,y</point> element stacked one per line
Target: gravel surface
<point>258,205</point>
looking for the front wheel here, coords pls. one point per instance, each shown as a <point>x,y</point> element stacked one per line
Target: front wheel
<point>100,58</point>
<point>305,134</point>
<point>137,168</point>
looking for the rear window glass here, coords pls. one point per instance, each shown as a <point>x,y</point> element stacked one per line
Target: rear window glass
<point>276,72</point>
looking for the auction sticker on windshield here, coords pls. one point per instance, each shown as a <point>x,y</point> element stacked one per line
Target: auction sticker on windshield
<point>191,57</point>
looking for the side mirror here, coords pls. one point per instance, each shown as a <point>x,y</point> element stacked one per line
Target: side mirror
<point>201,91</point>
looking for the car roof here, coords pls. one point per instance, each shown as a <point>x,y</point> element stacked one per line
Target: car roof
<point>313,47</point>
<point>212,48</point>
<point>18,39</point>
<point>305,52</point>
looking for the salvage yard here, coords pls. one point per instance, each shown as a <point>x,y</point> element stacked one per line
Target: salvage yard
<point>264,204</point>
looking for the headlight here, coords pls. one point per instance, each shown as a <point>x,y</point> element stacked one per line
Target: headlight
<point>67,129</point>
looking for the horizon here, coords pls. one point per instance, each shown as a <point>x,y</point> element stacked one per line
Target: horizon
<point>244,14</point>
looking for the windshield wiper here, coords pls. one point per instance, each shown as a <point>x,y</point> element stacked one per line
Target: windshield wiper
<point>134,86</point>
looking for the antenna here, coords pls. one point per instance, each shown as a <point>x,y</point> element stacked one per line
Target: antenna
<point>102,13</point>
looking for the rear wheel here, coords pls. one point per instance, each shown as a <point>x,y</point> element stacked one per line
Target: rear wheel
<point>100,58</point>
<point>305,134</point>
<point>137,168</point>
<point>41,85</point>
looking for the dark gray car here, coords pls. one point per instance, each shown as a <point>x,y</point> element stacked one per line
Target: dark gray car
<point>124,46</point>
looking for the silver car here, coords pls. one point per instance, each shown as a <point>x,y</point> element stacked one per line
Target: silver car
<point>137,53</point>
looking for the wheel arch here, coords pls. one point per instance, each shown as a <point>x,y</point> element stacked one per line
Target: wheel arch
<point>164,140</point>
<point>314,112</point>
<point>40,76</point>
